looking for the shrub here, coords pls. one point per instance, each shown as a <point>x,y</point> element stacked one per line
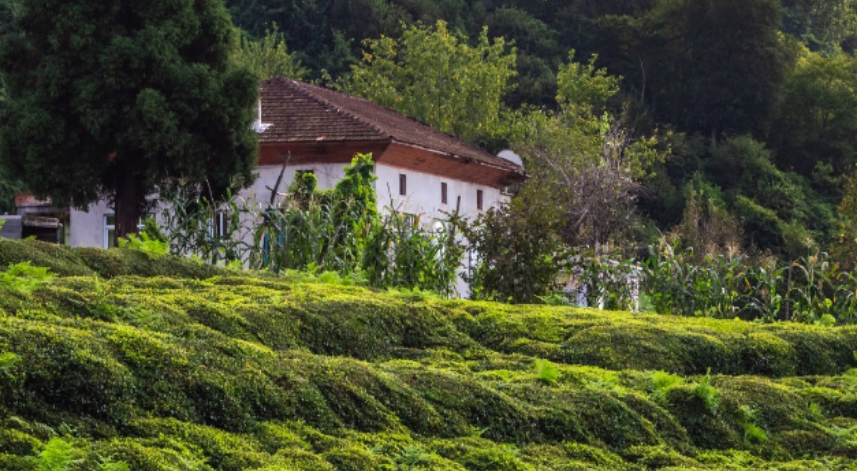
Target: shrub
<point>254,371</point>
<point>24,278</point>
<point>152,248</point>
<point>545,371</point>
<point>706,392</point>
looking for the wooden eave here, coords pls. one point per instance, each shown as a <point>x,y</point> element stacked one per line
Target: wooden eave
<point>422,159</point>
<point>321,151</point>
<point>393,153</point>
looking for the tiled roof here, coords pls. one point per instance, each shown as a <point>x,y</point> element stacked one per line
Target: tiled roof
<point>23,200</point>
<point>299,112</point>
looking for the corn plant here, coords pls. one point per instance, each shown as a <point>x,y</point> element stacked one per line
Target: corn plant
<point>818,287</point>
<point>671,283</point>
<point>404,252</point>
<point>340,230</point>
<point>327,230</point>
<point>215,231</point>
<point>812,289</point>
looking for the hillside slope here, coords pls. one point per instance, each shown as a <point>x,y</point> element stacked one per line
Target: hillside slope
<point>172,365</point>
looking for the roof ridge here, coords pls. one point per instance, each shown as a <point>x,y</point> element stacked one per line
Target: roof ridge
<point>301,86</point>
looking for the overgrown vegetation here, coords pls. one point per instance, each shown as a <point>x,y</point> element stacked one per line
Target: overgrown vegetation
<point>338,231</point>
<point>635,118</point>
<point>762,90</point>
<point>205,368</point>
<point>813,289</point>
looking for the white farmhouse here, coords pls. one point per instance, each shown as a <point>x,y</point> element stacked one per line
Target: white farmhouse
<point>313,129</point>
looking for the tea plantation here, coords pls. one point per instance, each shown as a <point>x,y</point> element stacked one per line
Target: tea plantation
<point>122,362</point>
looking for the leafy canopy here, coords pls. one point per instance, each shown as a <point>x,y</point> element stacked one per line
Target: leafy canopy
<point>583,159</point>
<point>434,75</point>
<point>108,98</point>
<point>269,57</point>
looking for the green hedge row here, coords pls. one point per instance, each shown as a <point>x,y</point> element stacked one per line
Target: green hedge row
<point>364,324</point>
<point>196,370</point>
<point>67,261</point>
<point>619,340</point>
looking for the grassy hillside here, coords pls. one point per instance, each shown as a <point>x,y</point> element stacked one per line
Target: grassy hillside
<point>173,365</point>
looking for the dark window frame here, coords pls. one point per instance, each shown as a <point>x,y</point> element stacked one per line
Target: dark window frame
<point>221,222</point>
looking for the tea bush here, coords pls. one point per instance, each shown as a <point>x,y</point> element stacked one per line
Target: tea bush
<point>184,366</point>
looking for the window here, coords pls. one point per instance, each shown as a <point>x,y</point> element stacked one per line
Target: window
<point>109,230</point>
<point>479,200</point>
<point>403,184</point>
<point>443,193</point>
<point>220,224</point>
<point>410,220</point>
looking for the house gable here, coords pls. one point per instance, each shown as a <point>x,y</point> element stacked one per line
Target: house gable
<point>313,124</point>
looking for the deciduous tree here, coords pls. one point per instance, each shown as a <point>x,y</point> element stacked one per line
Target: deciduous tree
<point>434,75</point>
<point>269,57</point>
<point>585,160</point>
<point>818,116</point>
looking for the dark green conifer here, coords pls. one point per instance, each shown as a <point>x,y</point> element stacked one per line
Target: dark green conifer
<point>108,98</point>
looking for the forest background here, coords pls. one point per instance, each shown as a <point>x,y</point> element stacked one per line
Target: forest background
<point>738,117</point>
<point>722,127</point>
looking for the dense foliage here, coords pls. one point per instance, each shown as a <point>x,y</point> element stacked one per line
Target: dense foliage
<point>515,251</point>
<point>435,76</point>
<point>269,57</point>
<point>107,99</point>
<point>760,88</point>
<point>814,289</point>
<point>337,231</point>
<point>126,362</point>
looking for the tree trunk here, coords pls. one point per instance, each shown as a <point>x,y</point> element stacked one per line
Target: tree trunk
<point>129,198</point>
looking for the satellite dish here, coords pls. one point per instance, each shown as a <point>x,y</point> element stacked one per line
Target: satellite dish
<point>511,157</point>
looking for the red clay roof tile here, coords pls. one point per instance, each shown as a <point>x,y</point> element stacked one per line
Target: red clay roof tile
<point>299,112</point>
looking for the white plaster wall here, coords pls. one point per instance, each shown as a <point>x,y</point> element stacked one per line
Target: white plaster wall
<point>260,191</point>
<point>424,194</point>
<point>87,227</point>
<point>327,174</point>
<point>423,198</point>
